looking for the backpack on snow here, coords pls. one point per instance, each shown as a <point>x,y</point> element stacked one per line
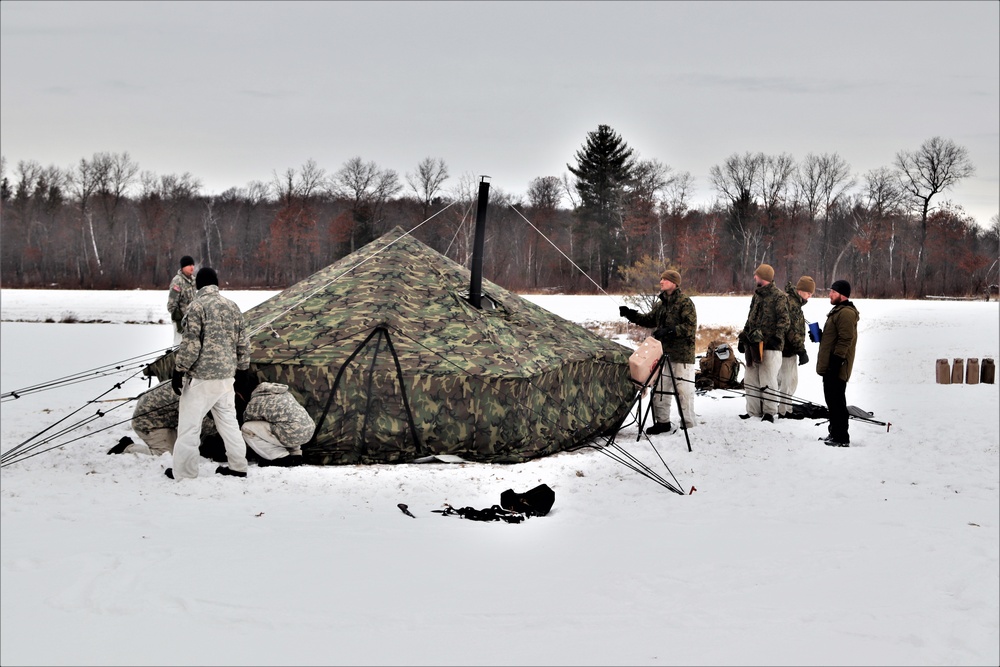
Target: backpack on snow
<point>719,368</point>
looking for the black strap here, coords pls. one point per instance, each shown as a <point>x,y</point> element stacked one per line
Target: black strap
<point>494,513</point>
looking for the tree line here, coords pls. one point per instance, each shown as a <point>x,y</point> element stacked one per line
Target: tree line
<point>612,223</point>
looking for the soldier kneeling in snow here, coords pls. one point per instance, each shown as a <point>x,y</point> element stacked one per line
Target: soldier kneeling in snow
<point>154,420</point>
<point>276,426</point>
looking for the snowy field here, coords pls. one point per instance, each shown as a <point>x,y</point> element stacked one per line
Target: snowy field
<point>781,552</point>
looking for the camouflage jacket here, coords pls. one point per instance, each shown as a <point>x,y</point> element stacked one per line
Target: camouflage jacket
<point>158,408</point>
<point>795,337</point>
<point>182,293</point>
<point>271,402</point>
<point>768,316</point>
<point>840,338</point>
<point>214,343</point>
<point>678,311</point>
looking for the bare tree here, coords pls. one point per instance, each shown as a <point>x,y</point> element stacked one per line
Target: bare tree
<point>427,182</point>
<point>736,181</point>
<point>544,195</point>
<point>775,177</point>
<point>822,184</point>
<point>936,166</point>
<point>678,194</point>
<point>367,187</point>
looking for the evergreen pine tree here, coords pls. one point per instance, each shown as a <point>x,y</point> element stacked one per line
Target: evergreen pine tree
<point>603,168</point>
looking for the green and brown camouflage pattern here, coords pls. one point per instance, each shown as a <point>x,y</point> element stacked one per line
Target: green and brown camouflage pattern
<point>393,363</point>
<point>795,336</point>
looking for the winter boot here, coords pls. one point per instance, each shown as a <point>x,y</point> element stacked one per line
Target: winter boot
<point>226,470</point>
<point>121,446</point>
<point>660,427</point>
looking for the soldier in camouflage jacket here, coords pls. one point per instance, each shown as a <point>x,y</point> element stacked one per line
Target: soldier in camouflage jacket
<point>762,339</point>
<point>154,420</point>
<point>275,425</point>
<point>794,353</point>
<point>674,320</point>
<point>214,347</point>
<point>181,293</point>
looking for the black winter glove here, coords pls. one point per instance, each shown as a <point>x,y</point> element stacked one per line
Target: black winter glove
<point>803,358</point>
<point>628,313</point>
<point>741,345</point>
<point>663,334</point>
<point>177,382</point>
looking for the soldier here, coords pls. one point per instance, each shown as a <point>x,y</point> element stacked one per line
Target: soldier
<point>762,339</point>
<point>835,360</point>
<point>276,426</point>
<point>794,353</point>
<point>181,294</point>
<point>676,322</point>
<point>154,420</point>
<point>213,350</point>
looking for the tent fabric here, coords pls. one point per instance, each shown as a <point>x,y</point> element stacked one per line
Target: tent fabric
<point>394,364</point>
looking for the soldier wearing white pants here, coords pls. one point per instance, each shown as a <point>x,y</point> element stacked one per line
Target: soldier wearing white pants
<point>794,353</point>
<point>761,383</point>
<point>275,425</point>
<point>214,349</point>
<point>763,339</point>
<point>676,325</point>
<point>663,398</point>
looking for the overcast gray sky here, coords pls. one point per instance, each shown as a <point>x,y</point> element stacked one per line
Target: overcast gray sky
<point>235,91</point>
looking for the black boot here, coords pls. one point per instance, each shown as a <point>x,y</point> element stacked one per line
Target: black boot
<point>659,427</point>
<point>121,446</point>
<point>226,470</point>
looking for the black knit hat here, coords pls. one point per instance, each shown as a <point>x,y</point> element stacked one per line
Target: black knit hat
<point>206,276</point>
<point>187,260</point>
<point>842,286</point>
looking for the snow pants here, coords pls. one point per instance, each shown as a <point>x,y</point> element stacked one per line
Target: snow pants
<point>158,441</point>
<point>663,397</point>
<point>788,383</point>
<point>197,398</point>
<point>261,438</point>
<point>761,384</point>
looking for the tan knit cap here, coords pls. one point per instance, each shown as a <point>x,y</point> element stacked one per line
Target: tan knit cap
<point>806,284</point>
<point>672,276</point>
<point>765,272</point>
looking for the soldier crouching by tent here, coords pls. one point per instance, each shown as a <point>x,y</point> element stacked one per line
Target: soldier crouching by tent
<point>275,425</point>
<point>154,420</point>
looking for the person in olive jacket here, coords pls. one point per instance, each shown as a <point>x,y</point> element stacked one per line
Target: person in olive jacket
<point>836,359</point>
<point>763,339</point>
<point>676,323</point>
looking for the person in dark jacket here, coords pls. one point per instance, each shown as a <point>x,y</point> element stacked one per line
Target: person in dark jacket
<point>762,340</point>
<point>674,320</point>
<point>835,360</point>
<point>794,353</point>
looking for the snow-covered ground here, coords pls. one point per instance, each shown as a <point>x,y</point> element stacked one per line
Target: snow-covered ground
<point>787,552</point>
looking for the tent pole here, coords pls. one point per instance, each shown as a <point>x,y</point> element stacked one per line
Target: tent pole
<point>476,284</point>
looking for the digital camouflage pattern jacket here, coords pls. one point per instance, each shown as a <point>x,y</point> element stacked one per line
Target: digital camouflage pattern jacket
<point>678,311</point>
<point>214,343</point>
<point>271,402</point>
<point>182,293</point>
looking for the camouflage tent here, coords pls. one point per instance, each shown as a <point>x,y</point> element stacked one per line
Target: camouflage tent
<point>393,363</point>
